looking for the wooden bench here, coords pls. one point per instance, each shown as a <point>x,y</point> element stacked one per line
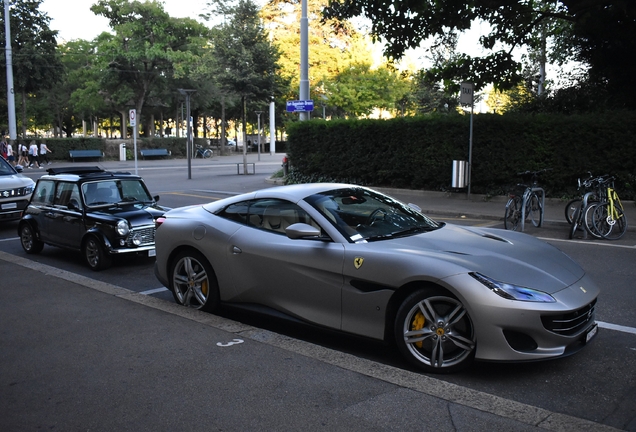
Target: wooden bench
<point>154,152</point>
<point>85,154</point>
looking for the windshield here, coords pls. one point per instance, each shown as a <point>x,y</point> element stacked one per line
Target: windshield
<point>5,168</point>
<point>363,215</point>
<point>115,191</point>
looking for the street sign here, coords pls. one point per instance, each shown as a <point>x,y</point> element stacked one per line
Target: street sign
<point>466,94</point>
<point>300,105</point>
<point>132,115</point>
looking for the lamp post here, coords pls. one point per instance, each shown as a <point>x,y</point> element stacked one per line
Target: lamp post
<point>258,113</point>
<point>187,93</point>
<point>9,58</point>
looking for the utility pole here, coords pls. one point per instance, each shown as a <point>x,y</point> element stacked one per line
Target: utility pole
<point>258,114</point>
<point>9,56</point>
<point>304,58</point>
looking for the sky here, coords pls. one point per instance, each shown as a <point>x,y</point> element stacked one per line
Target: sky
<point>74,20</point>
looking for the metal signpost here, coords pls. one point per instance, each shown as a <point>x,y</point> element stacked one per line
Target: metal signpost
<point>467,97</point>
<point>132,117</point>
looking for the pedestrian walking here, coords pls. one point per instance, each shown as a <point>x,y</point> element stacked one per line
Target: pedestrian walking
<point>10,155</point>
<point>43,153</point>
<point>22,155</point>
<point>3,148</point>
<point>33,155</point>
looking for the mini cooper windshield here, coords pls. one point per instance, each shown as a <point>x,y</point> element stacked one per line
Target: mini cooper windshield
<point>115,192</point>
<point>363,215</point>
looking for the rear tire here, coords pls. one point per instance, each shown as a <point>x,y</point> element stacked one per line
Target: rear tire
<point>193,282</point>
<point>207,154</point>
<point>605,225</point>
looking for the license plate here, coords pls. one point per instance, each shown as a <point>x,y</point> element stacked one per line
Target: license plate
<point>152,253</point>
<point>9,206</point>
<point>591,333</point>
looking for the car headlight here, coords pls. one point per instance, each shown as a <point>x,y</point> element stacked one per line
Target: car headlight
<point>29,190</point>
<point>122,228</point>
<point>514,292</point>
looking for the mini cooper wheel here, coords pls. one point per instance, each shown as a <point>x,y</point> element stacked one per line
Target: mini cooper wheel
<point>193,283</point>
<point>95,255</point>
<point>29,241</point>
<point>434,332</point>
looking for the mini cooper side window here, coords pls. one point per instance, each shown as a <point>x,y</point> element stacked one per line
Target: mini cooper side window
<point>65,193</point>
<point>43,194</point>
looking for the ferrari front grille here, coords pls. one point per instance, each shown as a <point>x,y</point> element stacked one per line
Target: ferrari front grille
<point>570,323</point>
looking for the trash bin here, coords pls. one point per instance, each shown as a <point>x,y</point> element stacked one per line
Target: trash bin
<point>460,178</point>
<point>122,151</point>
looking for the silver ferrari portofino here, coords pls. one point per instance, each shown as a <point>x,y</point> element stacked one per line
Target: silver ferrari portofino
<point>352,259</point>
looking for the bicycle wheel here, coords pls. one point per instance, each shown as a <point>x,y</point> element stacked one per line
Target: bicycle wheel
<point>207,154</point>
<point>513,213</point>
<point>587,220</point>
<point>534,207</point>
<point>576,220</point>
<point>610,226</point>
<point>570,208</point>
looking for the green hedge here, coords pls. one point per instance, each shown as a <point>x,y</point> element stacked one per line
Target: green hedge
<point>417,153</point>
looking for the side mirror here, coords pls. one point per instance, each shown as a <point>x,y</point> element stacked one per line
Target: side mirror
<point>156,198</point>
<point>301,231</point>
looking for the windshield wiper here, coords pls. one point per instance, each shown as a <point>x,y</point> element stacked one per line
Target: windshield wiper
<point>402,233</point>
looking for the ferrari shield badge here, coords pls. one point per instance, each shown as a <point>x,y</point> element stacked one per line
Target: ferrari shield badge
<point>357,262</point>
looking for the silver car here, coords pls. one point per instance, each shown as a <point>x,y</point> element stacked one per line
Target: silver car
<point>15,191</point>
<point>349,258</point>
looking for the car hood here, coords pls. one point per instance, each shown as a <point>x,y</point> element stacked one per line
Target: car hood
<point>506,256</point>
<point>135,214</point>
<point>15,181</point>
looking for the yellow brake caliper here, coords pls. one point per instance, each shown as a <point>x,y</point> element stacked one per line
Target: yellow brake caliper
<point>418,324</point>
<point>204,287</point>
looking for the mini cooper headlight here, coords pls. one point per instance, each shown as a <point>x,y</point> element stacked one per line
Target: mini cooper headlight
<point>514,292</point>
<point>122,228</point>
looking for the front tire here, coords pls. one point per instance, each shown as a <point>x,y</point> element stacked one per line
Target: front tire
<point>29,241</point>
<point>95,255</point>
<point>193,282</point>
<point>434,332</point>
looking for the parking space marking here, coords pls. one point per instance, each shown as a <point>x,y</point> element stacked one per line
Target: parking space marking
<point>10,239</point>
<point>616,327</point>
<point>588,243</point>
<point>154,291</point>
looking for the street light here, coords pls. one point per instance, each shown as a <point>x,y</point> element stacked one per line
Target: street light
<point>258,113</point>
<point>187,93</point>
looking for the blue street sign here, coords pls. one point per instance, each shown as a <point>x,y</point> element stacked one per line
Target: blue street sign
<point>300,105</point>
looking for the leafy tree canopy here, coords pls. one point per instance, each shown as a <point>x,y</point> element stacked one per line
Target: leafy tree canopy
<point>597,32</point>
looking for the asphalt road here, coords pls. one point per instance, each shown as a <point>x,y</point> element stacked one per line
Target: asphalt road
<point>597,384</point>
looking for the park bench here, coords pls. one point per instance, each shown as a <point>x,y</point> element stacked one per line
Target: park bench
<point>154,152</point>
<point>85,154</point>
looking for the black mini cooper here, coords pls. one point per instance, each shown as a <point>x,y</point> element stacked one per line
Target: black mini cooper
<point>97,212</point>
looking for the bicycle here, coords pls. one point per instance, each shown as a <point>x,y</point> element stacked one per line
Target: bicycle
<point>608,217</point>
<point>524,202</point>
<point>578,211</point>
<point>203,153</point>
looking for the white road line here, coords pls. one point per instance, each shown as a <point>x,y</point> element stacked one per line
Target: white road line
<point>587,243</point>
<point>10,239</point>
<point>616,327</point>
<point>154,291</point>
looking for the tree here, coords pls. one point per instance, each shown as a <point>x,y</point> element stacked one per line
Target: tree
<point>36,65</point>
<point>142,54</point>
<point>598,32</point>
<point>246,61</point>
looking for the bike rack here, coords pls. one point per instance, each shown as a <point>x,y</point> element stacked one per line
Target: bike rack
<point>524,201</point>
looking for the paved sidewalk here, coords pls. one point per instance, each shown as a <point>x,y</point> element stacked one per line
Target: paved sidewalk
<point>80,354</point>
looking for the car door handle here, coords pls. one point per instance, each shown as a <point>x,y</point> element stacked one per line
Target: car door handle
<point>236,250</point>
